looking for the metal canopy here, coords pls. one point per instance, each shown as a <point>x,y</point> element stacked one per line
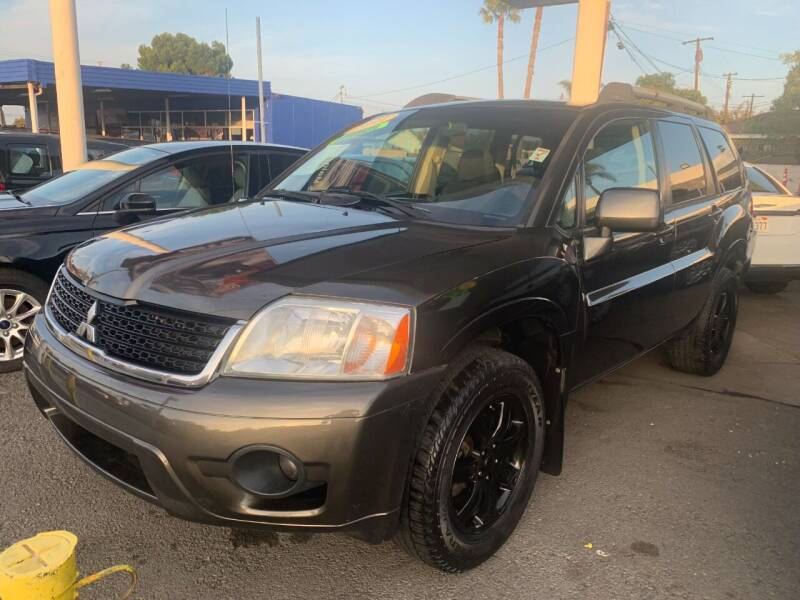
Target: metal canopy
<point>535,3</point>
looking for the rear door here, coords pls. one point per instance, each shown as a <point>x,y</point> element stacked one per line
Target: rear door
<point>700,187</point>
<point>628,288</point>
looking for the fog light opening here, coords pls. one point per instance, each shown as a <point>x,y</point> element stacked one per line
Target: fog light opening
<point>266,471</point>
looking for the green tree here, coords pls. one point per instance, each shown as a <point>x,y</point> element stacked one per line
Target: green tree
<point>666,83</point>
<point>180,53</point>
<point>126,66</point>
<point>497,11</point>
<point>790,99</point>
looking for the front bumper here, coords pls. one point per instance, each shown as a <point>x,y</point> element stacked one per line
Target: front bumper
<point>172,446</point>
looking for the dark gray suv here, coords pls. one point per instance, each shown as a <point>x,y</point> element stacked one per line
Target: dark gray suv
<point>384,343</point>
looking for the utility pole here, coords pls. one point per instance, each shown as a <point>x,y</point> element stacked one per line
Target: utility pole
<point>342,93</point>
<point>71,122</point>
<point>752,102</point>
<point>262,126</point>
<point>728,85</point>
<point>698,58</point>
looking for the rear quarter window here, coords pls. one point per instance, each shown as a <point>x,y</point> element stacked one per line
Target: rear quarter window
<point>723,157</point>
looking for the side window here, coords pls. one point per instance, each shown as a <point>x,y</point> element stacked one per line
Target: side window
<point>760,183</point>
<point>24,159</point>
<point>194,183</point>
<point>568,212</point>
<point>620,155</point>
<point>687,174</point>
<point>278,163</point>
<point>724,159</point>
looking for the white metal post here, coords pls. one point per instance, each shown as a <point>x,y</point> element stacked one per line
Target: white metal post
<point>102,119</point>
<point>169,125</point>
<point>590,45</point>
<point>244,119</point>
<point>33,107</point>
<point>66,58</point>
<point>262,126</point>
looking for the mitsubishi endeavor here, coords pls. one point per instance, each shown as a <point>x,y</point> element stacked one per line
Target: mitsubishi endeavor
<point>383,342</point>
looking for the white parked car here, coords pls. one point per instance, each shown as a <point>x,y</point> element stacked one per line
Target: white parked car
<point>776,258</point>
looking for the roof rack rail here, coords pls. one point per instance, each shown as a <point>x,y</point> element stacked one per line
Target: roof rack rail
<point>436,98</point>
<point>625,92</point>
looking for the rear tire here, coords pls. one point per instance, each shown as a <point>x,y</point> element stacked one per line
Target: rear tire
<point>21,296</point>
<point>477,462</point>
<point>766,287</point>
<point>703,349</point>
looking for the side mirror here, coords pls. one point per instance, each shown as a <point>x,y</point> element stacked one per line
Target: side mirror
<point>137,202</point>
<point>629,210</point>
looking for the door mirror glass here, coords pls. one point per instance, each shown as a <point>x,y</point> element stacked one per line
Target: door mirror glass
<point>629,209</point>
<point>138,202</point>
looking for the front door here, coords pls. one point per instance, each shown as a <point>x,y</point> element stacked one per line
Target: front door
<point>628,287</point>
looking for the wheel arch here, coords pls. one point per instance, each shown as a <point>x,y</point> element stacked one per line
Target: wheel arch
<point>538,331</point>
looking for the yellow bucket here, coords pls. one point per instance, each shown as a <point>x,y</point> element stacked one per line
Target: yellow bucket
<point>45,567</point>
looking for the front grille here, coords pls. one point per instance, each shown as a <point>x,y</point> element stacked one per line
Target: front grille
<point>149,336</point>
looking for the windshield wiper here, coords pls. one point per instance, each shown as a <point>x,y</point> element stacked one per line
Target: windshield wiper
<point>377,200</point>
<point>20,198</point>
<point>289,195</point>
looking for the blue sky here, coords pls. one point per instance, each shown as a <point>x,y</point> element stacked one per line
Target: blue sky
<point>372,47</point>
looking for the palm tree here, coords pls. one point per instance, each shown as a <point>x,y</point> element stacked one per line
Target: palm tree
<point>566,85</point>
<point>537,27</point>
<point>498,11</point>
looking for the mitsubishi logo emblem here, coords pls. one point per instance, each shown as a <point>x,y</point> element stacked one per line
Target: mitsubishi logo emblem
<point>86,330</point>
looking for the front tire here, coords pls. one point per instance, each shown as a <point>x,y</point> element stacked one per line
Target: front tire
<point>477,462</point>
<point>21,297</point>
<point>703,349</point>
<point>766,287</point>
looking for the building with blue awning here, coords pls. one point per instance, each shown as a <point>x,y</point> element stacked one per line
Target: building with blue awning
<point>155,107</point>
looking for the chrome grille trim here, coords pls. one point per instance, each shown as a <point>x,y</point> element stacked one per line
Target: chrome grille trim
<point>102,358</point>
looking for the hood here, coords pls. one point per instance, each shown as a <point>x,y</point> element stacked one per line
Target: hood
<point>234,259</point>
<point>774,203</point>
<point>11,208</point>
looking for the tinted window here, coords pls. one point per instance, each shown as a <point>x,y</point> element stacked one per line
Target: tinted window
<point>620,155</point>
<point>725,161</point>
<point>567,214</point>
<point>28,160</point>
<point>760,183</point>
<point>460,164</point>
<point>687,173</point>
<point>278,163</point>
<point>70,187</point>
<point>195,183</point>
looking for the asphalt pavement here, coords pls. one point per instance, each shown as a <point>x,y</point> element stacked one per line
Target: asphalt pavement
<point>685,487</point>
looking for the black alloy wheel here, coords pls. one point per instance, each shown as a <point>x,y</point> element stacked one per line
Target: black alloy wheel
<point>490,459</point>
<point>477,461</point>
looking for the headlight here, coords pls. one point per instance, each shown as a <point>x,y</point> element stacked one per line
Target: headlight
<point>318,338</point>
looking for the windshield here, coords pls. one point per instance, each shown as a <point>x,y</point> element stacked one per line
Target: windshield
<point>76,184</point>
<point>462,164</point>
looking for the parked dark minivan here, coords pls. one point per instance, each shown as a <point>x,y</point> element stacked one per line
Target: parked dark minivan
<point>39,226</point>
<point>384,342</point>
<point>28,159</point>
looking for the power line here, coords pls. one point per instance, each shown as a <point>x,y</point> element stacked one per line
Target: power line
<point>446,79</point>
<point>655,32</point>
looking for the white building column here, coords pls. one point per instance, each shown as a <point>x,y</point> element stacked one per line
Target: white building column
<point>244,119</point>
<point>33,107</point>
<point>590,46</point>
<point>71,121</point>
<point>168,124</point>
